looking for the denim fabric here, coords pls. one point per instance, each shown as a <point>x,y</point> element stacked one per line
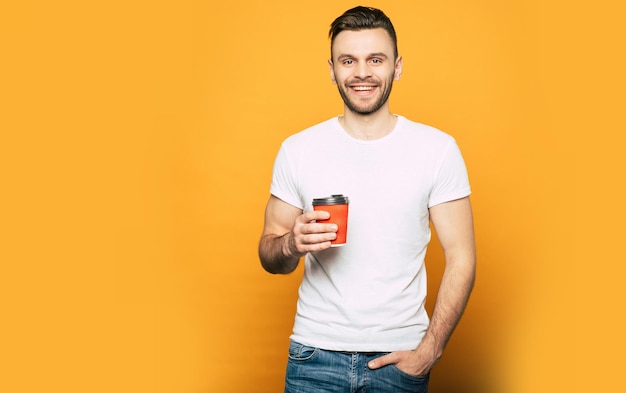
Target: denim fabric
<point>313,370</point>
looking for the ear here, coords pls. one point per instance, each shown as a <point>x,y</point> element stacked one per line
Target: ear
<point>332,72</point>
<point>398,69</point>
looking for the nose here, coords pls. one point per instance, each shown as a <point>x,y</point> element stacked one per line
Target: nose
<point>362,70</point>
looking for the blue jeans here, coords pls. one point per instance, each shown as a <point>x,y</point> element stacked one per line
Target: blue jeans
<point>314,370</point>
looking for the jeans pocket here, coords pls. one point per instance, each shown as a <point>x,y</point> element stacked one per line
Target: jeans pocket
<point>416,378</point>
<point>300,352</point>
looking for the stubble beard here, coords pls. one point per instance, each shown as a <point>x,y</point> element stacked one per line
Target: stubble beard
<point>366,109</point>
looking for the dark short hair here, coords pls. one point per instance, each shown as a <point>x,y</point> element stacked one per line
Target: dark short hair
<point>363,18</point>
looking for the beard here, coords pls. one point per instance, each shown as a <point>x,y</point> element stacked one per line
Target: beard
<point>366,108</point>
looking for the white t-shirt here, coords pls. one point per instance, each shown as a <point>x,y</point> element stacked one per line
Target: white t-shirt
<point>369,295</point>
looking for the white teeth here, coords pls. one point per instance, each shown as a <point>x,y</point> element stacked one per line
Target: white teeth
<point>363,88</point>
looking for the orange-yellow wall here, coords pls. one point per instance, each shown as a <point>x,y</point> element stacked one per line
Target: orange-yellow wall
<point>137,144</point>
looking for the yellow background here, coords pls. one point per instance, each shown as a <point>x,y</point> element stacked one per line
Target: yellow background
<point>137,140</point>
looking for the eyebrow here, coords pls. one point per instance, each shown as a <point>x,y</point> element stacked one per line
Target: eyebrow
<point>377,54</point>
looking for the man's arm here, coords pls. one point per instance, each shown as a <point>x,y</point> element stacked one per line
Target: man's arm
<point>288,234</point>
<point>454,226</point>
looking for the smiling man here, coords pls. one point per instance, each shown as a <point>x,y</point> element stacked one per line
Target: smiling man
<point>361,324</point>
<point>364,79</point>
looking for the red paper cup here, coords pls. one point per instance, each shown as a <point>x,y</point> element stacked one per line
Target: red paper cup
<point>337,206</point>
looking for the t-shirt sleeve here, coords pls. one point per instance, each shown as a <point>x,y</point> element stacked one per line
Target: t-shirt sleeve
<point>451,180</point>
<point>284,185</point>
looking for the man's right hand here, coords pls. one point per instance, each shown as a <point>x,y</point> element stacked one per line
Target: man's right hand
<point>309,235</point>
<point>288,234</point>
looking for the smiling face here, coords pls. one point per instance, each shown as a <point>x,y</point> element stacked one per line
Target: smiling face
<point>364,66</point>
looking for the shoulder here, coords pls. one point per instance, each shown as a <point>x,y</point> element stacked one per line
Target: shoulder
<point>424,134</point>
<point>313,133</point>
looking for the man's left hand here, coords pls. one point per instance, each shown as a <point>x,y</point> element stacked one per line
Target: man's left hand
<point>417,362</point>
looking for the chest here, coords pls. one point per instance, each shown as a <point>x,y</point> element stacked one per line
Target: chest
<point>371,176</point>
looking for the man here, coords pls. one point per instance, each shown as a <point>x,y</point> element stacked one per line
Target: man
<point>361,324</point>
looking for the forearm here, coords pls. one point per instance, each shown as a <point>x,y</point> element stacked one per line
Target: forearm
<point>453,223</point>
<point>278,254</point>
<point>454,291</point>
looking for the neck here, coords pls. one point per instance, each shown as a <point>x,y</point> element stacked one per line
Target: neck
<point>368,127</point>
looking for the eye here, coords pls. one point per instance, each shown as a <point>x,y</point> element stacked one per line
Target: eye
<point>348,62</point>
<point>376,61</point>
